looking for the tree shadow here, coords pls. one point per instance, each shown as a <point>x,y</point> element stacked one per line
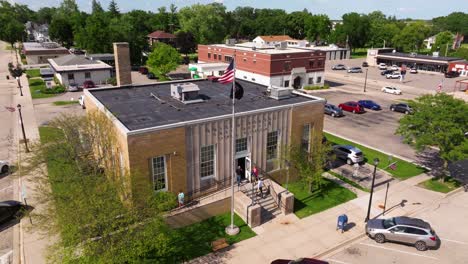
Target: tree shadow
<point>431,159</point>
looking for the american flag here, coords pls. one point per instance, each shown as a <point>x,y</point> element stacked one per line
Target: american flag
<point>392,166</point>
<point>228,75</point>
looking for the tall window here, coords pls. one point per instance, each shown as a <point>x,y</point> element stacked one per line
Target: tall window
<point>305,141</point>
<point>287,65</point>
<point>241,145</point>
<point>87,75</point>
<point>71,76</point>
<point>207,161</point>
<point>272,145</point>
<point>227,58</point>
<point>319,79</point>
<point>159,173</point>
<point>209,55</point>
<point>215,56</point>
<point>311,64</point>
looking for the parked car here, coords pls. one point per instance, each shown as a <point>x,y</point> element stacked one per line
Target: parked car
<point>72,87</point>
<point>391,90</point>
<point>150,76</point>
<point>339,67</point>
<point>143,70</point>
<point>88,84</point>
<point>355,70</point>
<point>298,261</point>
<point>76,51</point>
<point>451,74</point>
<point>213,78</point>
<point>4,166</point>
<point>403,229</point>
<point>9,210</point>
<point>402,108</point>
<point>348,153</point>
<point>394,67</point>
<point>333,110</point>
<point>382,66</point>
<point>413,70</point>
<point>393,75</point>
<point>81,101</point>
<point>352,107</point>
<point>385,72</point>
<point>369,104</point>
<point>365,64</point>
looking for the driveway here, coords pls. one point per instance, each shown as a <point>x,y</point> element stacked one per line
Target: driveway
<point>446,218</point>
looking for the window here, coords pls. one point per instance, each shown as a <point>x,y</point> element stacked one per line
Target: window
<point>319,79</point>
<point>286,83</point>
<point>159,173</point>
<point>311,64</point>
<point>209,55</point>
<point>71,76</point>
<point>241,145</point>
<point>207,161</point>
<point>287,65</point>
<point>254,61</point>
<point>311,80</point>
<point>215,56</point>
<point>415,231</point>
<point>220,57</point>
<point>220,73</point>
<point>245,59</point>
<point>87,75</point>
<point>320,63</point>
<point>227,58</point>
<point>398,229</point>
<point>305,137</point>
<point>272,145</point>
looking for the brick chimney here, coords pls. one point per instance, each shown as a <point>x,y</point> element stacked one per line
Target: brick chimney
<point>122,63</point>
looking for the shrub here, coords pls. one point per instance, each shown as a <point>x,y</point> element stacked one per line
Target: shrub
<point>112,81</point>
<point>316,87</point>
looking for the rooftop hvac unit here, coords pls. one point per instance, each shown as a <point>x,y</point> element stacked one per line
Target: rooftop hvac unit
<point>187,93</point>
<point>435,54</point>
<point>282,45</point>
<point>280,93</point>
<point>231,42</point>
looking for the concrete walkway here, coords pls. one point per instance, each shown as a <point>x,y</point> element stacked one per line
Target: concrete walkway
<point>288,237</point>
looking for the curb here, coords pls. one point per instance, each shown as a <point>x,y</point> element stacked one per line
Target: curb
<point>384,152</point>
<point>451,193</point>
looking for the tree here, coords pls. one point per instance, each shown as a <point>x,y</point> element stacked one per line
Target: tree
<point>113,9</point>
<point>88,208</point>
<point>443,42</point>
<point>242,23</point>
<point>185,42</point>
<point>44,15</point>
<point>317,27</point>
<point>439,120</point>
<point>456,22</point>
<point>412,36</point>
<point>12,31</point>
<point>206,22</point>
<point>68,7</point>
<point>356,28</point>
<point>96,7</point>
<point>95,36</point>
<point>61,30</point>
<point>296,24</point>
<point>163,59</point>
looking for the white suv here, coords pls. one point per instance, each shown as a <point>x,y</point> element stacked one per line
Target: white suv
<point>382,66</point>
<point>349,153</point>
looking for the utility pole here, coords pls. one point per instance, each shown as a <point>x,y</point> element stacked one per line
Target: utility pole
<point>365,81</point>
<point>376,162</point>
<point>384,43</point>
<point>22,128</point>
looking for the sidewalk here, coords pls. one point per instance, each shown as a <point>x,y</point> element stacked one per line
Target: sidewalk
<point>288,237</point>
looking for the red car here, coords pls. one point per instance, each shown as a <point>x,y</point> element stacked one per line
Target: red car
<point>88,84</point>
<point>351,107</point>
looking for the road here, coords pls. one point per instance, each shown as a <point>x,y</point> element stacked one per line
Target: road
<point>8,89</point>
<point>446,218</point>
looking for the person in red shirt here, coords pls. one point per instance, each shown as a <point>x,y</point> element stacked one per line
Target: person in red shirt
<point>255,174</point>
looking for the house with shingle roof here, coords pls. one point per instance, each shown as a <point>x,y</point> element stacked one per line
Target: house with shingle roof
<point>161,36</point>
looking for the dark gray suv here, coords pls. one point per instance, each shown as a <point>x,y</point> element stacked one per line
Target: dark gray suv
<point>402,108</point>
<point>333,110</point>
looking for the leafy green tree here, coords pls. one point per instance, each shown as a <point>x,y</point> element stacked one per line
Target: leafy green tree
<point>412,36</point>
<point>338,36</point>
<point>356,28</point>
<point>206,22</point>
<point>96,7</point>
<point>61,30</point>
<point>439,120</point>
<point>317,27</point>
<point>456,22</point>
<point>113,9</point>
<point>68,7</point>
<point>270,22</point>
<point>382,30</point>
<point>163,59</point>
<point>185,42</point>
<point>443,42</point>
<point>296,24</point>
<point>242,22</point>
<point>44,15</point>
<point>95,36</point>
<point>12,31</point>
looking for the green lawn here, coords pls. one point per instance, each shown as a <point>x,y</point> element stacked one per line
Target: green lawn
<point>404,169</point>
<point>348,181</point>
<point>359,53</point>
<point>65,102</point>
<point>306,203</point>
<point>36,86</point>
<point>436,185</point>
<point>33,73</point>
<point>196,238</point>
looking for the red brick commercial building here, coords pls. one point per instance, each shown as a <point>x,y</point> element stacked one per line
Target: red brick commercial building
<point>279,66</point>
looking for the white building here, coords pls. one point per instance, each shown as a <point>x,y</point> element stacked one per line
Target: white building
<point>76,69</point>
<point>39,53</point>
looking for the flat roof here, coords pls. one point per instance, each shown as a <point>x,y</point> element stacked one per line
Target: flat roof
<point>136,108</point>
<point>266,50</point>
<point>37,46</point>
<point>418,56</point>
<point>76,63</point>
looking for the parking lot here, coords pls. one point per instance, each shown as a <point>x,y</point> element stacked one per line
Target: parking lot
<point>446,218</point>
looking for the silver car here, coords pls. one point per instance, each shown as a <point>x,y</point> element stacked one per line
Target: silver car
<point>348,153</point>
<point>403,229</point>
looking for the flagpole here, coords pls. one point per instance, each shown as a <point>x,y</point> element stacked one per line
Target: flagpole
<point>232,229</point>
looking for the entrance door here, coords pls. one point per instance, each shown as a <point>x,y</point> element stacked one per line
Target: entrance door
<point>297,82</point>
<point>241,163</point>
<point>248,168</point>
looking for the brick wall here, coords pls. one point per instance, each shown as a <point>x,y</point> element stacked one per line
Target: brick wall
<point>122,63</point>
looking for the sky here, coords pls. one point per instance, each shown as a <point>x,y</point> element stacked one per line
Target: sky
<point>416,9</point>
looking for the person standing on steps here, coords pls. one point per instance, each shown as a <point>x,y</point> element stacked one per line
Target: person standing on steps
<point>180,198</point>
<point>238,175</point>
<point>254,174</point>
<point>260,187</point>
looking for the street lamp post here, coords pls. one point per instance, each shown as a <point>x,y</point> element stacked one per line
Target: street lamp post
<point>288,164</point>
<point>22,128</point>
<point>376,162</point>
<point>365,81</point>
<point>19,85</point>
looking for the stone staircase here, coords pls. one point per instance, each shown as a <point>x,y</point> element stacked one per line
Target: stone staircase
<point>269,207</point>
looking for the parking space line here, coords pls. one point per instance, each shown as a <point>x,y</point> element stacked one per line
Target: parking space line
<point>6,188</point>
<point>396,250</point>
<point>454,241</point>
<point>337,261</point>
